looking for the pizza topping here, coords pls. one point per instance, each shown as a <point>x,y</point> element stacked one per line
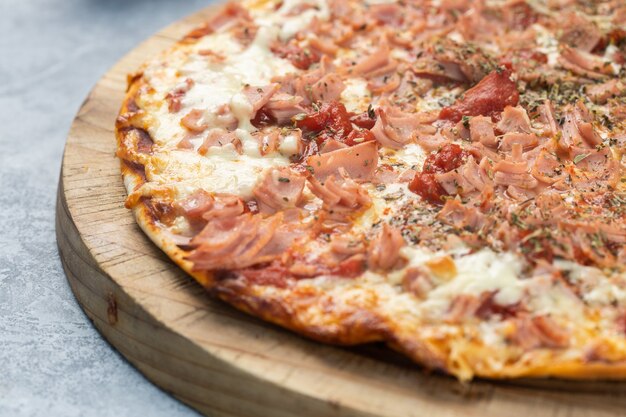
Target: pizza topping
<point>301,58</point>
<point>580,33</point>
<point>339,193</point>
<point>514,120</point>
<point>194,121</point>
<point>259,96</point>
<point>447,60</point>
<point>358,161</point>
<point>446,159</point>
<point>513,171</point>
<point>395,129</point>
<point>142,139</point>
<point>329,121</point>
<point>365,120</point>
<point>427,184</point>
<point>280,109</point>
<point>219,137</point>
<point>384,250</point>
<point>462,217</point>
<point>427,187</point>
<point>526,140</point>
<point>487,98</point>
<point>327,89</point>
<point>174,97</point>
<point>416,281</point>
<point>540,331</point>
<point>547,168</point>
<point>280,189</point>
<point>377,64</point>
<point>481,130</point>
<point>585,64</point>
<point>232,242</point>
<point>312,85</point>
<point>231,14</point>
<point>195,205</point>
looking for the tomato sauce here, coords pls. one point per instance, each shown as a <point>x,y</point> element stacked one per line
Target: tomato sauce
<point>487,98</point>
<point>446,159</point>
<point>333,121</point>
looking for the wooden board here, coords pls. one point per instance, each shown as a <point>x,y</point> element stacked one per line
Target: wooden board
<point>219,360</point>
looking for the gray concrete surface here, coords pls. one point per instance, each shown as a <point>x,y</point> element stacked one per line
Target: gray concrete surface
<point>52,360</point>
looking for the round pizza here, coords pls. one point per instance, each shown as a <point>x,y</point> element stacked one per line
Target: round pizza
<point>443,176</point>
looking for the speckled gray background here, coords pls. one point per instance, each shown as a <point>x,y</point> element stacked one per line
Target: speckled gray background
<point>52,360</point>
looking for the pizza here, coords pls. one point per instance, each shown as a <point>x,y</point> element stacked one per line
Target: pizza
<point>442,176</point>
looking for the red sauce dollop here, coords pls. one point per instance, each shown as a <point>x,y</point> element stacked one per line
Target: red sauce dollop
<point>487,98</point>
<point>332,121</point>
<point>425,184</point>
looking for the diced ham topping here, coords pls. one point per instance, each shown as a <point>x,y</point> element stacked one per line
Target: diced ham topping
<point>481,130</point>
<point>230,14</point>
<point>240,241</point>
<point>358,161</point>
<point>514,170</point>
<point>384,249</point>
<point>280,189</point>
<point>280,109</point>
<point>580,33</point>
<point>301,58</point>
<point>449,61</point>
<point>259,96</point>
<point>396,129</point>
<point>585,64</point>
<point>540,331</point>
<point>219,137</point>
<point>600,93</point>
<point>376,64</point>
<point>200,207</point>
<point>514,120</point>
<point>195,121</point>
<point>462,217</point>
<point>194,206</point>
<point>327,89</point>
<point>527,140</point>
<point>174,97</point>
<point>339,193</point>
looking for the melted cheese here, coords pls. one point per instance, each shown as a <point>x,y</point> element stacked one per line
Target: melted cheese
<point>381,209</point>
<point>547,44</point>
<point>477,273</point>
<point>356,96</point>
<point>289,19</point>
<point>437,98</point>
<point>219,78</point>
<point>412,155</point>
<point>217,82</point>
<point>222,170</point>
<point>602,291</point>
<point>289,146</point>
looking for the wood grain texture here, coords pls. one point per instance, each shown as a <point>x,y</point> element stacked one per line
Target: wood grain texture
<point>219,360</point>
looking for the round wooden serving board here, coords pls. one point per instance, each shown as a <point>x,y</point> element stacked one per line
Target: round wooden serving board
<point>218,360</point>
